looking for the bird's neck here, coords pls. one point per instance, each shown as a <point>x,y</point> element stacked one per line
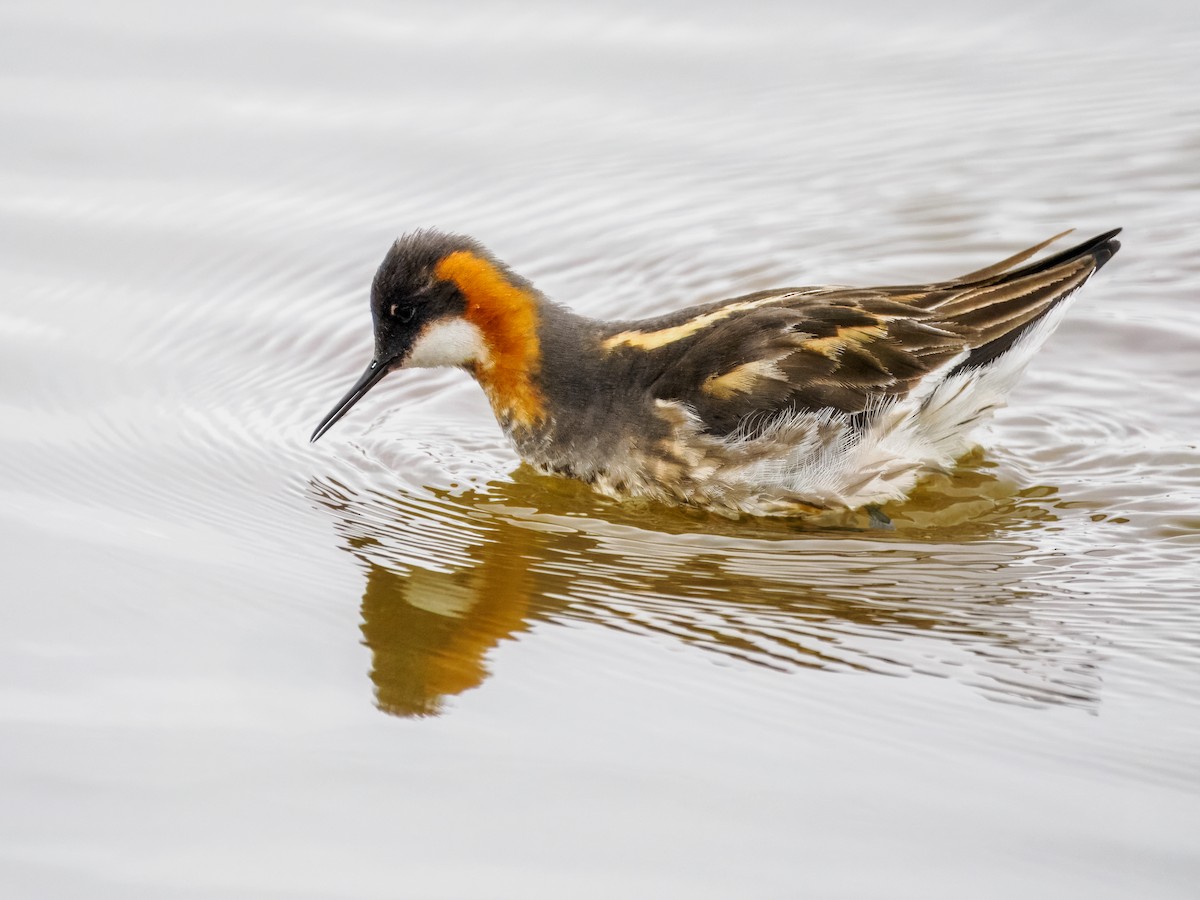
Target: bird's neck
<point>508,313</point>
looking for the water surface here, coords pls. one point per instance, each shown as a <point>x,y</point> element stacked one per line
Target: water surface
<point>397,663</point>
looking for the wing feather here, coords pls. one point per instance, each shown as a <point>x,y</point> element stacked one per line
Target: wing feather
<point>848,350</point>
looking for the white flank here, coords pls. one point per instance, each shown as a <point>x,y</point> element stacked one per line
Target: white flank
<point>816,458</point>
<point>447,342</point>
<point>926,432</point>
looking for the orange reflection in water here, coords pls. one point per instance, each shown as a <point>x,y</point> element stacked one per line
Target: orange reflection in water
<point>958,588</point>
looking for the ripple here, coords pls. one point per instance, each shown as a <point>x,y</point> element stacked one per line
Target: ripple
<point>198,369</point>
<point>193,204</point>
<point>496,563</point>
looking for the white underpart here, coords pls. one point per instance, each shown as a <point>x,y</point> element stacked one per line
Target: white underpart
<point>828,464</point>
<point>925,432</point>
<point>447,342</point>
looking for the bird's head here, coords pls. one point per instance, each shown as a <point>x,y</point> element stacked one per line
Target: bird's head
<point>443,300</point>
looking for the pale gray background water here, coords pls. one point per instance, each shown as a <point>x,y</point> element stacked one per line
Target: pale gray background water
<point>393,664</point>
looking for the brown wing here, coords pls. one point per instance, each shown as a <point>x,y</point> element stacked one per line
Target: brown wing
<point>847,349</point>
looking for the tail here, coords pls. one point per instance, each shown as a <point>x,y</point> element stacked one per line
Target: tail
<point>998,307</point>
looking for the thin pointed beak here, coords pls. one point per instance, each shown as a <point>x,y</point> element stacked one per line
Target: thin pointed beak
<point>374,374</point>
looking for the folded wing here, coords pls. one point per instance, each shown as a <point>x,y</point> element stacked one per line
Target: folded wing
<point>851,350</point>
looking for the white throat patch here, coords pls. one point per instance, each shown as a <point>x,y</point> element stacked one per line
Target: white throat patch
<point>448,342</point>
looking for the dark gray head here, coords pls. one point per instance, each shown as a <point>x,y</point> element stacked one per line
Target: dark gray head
<point>407,294</point>
<point>435,300</point>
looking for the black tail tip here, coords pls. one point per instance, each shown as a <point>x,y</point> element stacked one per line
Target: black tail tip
<point>1105,246</point>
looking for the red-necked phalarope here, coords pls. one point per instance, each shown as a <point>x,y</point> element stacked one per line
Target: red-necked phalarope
<point>774,403</point>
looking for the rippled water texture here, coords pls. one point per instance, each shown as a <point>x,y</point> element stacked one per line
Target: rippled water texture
<point>396,663</point>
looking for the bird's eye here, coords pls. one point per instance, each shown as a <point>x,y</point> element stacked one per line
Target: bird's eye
<point>403,313</point>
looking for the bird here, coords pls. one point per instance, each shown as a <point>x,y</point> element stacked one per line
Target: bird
<point>782,402</point>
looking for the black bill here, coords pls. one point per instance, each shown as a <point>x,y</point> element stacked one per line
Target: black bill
<point>374,374</point>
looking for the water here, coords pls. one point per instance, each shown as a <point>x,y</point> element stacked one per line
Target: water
<point>397,664</point>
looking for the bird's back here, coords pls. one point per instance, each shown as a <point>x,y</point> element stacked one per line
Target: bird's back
<point>827,396</point>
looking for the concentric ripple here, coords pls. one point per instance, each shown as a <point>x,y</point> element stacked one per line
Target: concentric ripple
<point>201,605</point>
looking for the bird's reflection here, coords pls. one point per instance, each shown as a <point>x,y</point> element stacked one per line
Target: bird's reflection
<point>429,633</point>
<point>955,590</point>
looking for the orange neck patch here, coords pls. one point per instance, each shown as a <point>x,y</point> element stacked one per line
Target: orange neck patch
<point>507,318</point>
